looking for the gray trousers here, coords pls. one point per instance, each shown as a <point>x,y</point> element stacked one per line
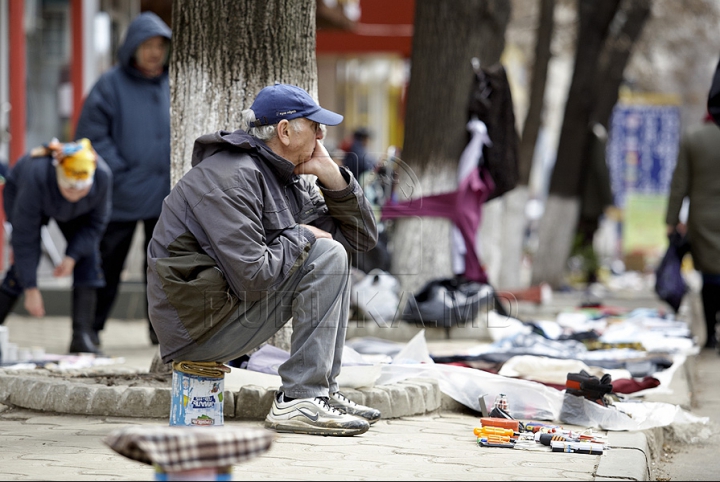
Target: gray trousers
<point>317,298</point>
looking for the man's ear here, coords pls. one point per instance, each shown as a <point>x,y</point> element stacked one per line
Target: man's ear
<point>283,132</point>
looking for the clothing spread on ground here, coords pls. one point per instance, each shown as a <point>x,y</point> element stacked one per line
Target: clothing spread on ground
<point>618,355</point>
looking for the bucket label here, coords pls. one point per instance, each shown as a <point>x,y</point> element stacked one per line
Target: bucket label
<point>196,400</point>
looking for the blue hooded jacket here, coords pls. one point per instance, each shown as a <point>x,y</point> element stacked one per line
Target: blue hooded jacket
<point>126,116</point>
<point>32,197</point>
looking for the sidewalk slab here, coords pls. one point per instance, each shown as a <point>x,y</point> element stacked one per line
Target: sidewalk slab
<point>629,457</point>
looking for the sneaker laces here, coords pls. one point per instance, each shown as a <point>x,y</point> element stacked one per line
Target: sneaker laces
<point>325,402</point>
<point>344,399</point>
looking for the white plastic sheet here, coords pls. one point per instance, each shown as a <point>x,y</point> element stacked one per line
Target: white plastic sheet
<point>527,399</point>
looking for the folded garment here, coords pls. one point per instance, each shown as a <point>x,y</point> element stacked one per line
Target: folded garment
<point>630,385</point>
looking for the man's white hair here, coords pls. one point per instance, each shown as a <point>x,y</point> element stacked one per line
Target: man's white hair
<point>264,133</point>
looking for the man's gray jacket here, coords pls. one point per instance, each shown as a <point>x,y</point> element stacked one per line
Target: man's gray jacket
<point>229,233</point>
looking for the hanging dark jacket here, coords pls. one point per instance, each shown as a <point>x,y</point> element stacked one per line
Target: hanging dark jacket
<point>126,116</point>
<point>32,197</point>
<point>230,233</point>
<point>491,102</point>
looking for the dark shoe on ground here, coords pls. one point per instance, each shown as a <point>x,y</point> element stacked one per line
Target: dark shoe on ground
<point>7,302</point>
<point>312,416</point>
<point>344,404</point>
<point>95,338</point>
<point>81,343</point>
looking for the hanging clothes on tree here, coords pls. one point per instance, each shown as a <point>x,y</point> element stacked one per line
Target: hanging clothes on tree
<point>491,102</point>
<point>463,206</point>
<point>471,162</point>
<point>488,168</point>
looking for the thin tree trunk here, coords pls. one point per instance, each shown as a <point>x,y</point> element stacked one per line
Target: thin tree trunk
<point>509,230</point>
<point>447,35</point>
<point>533,119</point>
<point>615,56</point>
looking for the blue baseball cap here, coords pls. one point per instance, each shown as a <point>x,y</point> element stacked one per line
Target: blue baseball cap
<point>284,101</point>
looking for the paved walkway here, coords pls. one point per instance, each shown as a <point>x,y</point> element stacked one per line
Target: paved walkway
<point>52,430</point>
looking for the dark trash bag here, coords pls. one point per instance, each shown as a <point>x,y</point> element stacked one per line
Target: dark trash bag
<point>670,285</point>
<point>447,302</point>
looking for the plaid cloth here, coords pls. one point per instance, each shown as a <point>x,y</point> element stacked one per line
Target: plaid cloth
<point>178,449</point>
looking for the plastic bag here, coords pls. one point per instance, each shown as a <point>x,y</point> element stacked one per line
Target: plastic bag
<point>377,296</point>
<point>670,285</point>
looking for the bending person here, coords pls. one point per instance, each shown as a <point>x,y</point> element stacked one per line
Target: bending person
<point>72,185</point>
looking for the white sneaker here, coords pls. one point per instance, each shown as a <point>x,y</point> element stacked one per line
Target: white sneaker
<point>344,404</point>
<point>313,416</point>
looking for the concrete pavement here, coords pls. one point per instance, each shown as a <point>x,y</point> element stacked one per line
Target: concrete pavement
<point>440,446</point>
<point>60,438</point>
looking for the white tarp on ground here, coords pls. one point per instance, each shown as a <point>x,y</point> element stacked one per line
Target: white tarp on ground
<point>528,399</point>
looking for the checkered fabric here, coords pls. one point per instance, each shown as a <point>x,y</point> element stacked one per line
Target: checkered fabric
<point>178,449</point>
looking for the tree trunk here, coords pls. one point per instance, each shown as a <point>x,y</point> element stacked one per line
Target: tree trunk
<point>594,20</point>
<point>223,53</point>
<point>447,35</point>
<point>555,241</point>
<point>615,56</point>
<point>506,231</point>
<point>533,119</point>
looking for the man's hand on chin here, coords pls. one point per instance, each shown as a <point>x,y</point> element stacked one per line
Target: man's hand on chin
<point>324,167</point>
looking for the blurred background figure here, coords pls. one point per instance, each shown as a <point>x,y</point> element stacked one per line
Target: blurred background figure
<point>357,158</point>
<point>127,117</point>
<point>697,177</point>
<point>72,185</point>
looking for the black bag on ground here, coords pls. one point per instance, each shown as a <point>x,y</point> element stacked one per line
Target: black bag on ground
<point>447,302</point>
<point>670,285</point>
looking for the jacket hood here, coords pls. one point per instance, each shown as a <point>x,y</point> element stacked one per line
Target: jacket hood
<point>145,25</point>
<point>209,144</point>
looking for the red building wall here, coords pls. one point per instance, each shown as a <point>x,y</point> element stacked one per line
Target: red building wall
<point>384,26</point>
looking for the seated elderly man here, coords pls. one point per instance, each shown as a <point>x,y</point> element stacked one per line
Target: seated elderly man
<point>244,244</point>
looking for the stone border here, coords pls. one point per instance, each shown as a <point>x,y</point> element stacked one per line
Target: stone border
<point>251,402</point>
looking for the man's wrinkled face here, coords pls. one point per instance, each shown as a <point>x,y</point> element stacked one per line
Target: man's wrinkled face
<point>303,142</point>
<point>151,54</point>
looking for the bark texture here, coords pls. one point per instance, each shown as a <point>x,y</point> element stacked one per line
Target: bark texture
<point>447,35</point>
<point>224,52</point>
